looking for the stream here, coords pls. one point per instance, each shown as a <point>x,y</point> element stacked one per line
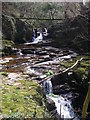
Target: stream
<point>35,61</point>
<point>63,104</point>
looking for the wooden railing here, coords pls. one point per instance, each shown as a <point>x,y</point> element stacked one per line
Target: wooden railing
<point>86,103</point>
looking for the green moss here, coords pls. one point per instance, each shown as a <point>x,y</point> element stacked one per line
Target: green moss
<point>85,63</point>
<point>7,46</point>
<point>7,43</point>
<point>22,100</point>
<point>49,72</point>
<point>67,63</point>
<point>4,73</point>
<point>80,71</point>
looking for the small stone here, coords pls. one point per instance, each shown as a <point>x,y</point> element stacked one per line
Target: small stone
<point>18,87</point>
<point>9,84</point>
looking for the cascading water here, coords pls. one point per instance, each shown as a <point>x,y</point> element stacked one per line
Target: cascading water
<point>39,38</point>
<point>48,87</point>
<point>62,103</point>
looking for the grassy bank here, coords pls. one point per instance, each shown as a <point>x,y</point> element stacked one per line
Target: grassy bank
<point>22,99</point>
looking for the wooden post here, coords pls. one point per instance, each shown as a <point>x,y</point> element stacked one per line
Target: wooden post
<point>86,103</point>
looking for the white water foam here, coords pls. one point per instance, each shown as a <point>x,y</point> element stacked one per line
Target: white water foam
<point>48,87</point>
<point>62,103</point>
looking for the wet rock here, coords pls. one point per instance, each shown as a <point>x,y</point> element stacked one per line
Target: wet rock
<point>18,87</point>
<point>61,89</point>
<point>66,57</point>
<point>73,83</point>
<point>54,113</point>
<point>42,53</point>
<point>25,76</point>
<point>14,76</point>
<point>31,72</point>
<point>10,84</point>
<point>61,54</point>
<point>15,50</point>
<point>70,73</point>
<point>40,61</point>
<point>52,49</point>
<point>46,58</point>
<point>42,76</point>
<point>4,61</point>
<point>73,89</point>
<point>52,54</point>
<point>58,92</point>
<point>59,79</point>
<point>27,51</point>
<point>50,104</point>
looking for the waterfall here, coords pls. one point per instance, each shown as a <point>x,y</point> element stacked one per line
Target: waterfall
<point>48,87</point>
<point>61,102</point>
<point>65,105</point>
<point>39,37</point>
<point>45,32</point>
<point>84,2</point>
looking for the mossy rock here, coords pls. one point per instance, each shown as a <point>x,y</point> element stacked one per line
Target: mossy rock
<point>7,46</point>
<point>22,100</point>
<point>7,43</point>
<point>7,50</point>
<point>4,73</point>
<point>15,29</point>
<point>80,71</point>
<point>8,27</point>
<point>23,31</point>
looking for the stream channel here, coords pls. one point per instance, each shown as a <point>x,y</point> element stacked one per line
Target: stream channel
<point>37,60</point>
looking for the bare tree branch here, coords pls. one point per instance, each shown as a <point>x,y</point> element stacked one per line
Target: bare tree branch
<point>47,78</point>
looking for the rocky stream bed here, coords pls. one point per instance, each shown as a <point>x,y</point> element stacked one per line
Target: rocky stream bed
<point>23,71</point>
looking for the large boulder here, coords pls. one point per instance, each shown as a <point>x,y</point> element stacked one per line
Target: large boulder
<point>8,27</point>
<point>72,33</point>
<point>61,89</point>
<point>23,31</point>
<point>16,29</point>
